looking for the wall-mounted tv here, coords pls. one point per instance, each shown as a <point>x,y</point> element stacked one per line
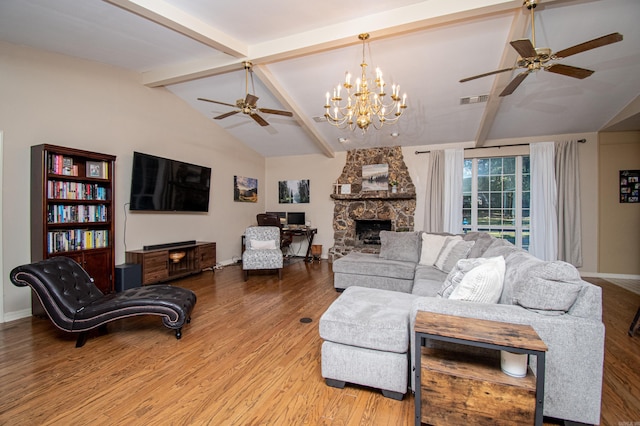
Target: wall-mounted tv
<point>161,184</point>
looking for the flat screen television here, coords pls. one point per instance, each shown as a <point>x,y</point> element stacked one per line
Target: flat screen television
<point>161,184</point>
<point>294,218</point>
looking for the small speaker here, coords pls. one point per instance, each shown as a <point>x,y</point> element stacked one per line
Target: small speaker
<point>128,275</point>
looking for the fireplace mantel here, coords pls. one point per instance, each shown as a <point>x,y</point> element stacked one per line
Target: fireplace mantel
<point>375,196</point>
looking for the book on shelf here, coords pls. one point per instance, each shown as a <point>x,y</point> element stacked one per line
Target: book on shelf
<point>61,165</point>
<point>76,239</point>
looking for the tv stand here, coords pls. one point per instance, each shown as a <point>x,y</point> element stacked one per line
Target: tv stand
<point>165,262</point>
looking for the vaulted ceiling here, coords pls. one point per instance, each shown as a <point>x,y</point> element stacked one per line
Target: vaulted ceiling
<point>300,50</point>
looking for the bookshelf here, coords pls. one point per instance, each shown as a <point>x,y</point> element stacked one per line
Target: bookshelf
<point>72,210</point>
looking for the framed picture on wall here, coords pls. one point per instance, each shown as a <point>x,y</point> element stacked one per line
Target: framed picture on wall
<point>629,186</point>
<point>293,191</point>
<point>245,189</point>
<point>375,177</point>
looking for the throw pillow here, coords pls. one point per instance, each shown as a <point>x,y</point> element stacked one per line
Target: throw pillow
<point>457,274</point>
<point>403,246</point>
<point>431,246</point>
<point>550,288</point>
<point>482,284</point>
<point>453,250</point>
<point>263,245</point>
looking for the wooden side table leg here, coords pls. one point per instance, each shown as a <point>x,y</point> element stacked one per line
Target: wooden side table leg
<point>417,400</point>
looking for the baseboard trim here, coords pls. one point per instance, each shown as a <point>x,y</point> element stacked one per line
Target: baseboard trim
<point>607,275</point>
<point>12,316</point>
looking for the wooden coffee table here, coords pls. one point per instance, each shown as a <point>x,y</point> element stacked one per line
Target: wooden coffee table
<point>451,374</point>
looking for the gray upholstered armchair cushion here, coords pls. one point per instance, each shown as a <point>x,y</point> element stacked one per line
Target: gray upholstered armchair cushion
<point>259,252</point>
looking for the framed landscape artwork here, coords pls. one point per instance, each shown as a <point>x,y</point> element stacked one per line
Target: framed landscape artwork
<point>375,177</point>
<point>293,191</point>
<point>245,189</point>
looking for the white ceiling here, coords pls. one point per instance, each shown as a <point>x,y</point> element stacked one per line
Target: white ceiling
<point>301,50</point>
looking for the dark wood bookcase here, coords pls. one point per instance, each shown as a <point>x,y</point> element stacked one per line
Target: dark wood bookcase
<point>72,210</point>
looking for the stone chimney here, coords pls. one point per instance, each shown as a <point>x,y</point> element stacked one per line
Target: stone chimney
<point>358,205</point>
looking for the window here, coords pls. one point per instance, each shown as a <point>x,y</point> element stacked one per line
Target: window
<point>496,197</point>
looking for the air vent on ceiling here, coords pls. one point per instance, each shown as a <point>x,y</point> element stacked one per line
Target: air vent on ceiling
<point>474,99</point>
<point>319,119</point>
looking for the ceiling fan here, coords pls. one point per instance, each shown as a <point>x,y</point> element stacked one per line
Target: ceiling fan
<point>248,104</point>
<point>534,58</point>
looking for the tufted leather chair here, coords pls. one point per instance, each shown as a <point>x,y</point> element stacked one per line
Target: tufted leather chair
<point>75,304</point>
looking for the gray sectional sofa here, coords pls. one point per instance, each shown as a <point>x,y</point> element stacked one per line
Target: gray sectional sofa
<point>368,331</point>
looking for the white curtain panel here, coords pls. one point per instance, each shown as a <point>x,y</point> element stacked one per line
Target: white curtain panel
<point>544,219</point>
<point>454,164</point>
<point>569,223</point>
<point>434,192</point>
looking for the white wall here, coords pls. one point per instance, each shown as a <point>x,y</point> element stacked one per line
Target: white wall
<point>55,99</point>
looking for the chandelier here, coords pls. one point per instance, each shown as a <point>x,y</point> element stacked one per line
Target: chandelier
<point>365,105</point>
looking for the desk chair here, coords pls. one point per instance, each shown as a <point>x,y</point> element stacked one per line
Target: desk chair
<point>273,220</point>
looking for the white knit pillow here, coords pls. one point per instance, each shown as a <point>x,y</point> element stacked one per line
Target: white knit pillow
<point>263,245</point>
<point>482,284</point>
<point>431,246</point>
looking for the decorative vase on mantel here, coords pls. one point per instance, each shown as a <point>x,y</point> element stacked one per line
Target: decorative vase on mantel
<point>394,189</point>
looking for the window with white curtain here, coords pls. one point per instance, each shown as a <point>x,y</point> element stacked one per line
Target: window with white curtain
<point>496,197</point>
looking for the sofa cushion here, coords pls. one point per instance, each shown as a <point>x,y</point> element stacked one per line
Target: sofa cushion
<point>431,246</point>
<point>542,286</point>
<point>369,318</point>
<point>483,283</point>
<point>403,246</point>
<point>372,264</point>
<point>482,241</point>
<point>453,250</point>
<point>551,288</point>
<point>428,280</point>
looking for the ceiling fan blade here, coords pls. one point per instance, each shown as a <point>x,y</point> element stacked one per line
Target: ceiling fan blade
<point>513,85</point>
<point>216,102</point>
<point>588,45</point>
<point>486,74</point>
<point>251,100</point>
<point>525,48</point>
<point>261,121</point>
<point>225,115</point>
<point>569,70</point>
<point>275,111</point>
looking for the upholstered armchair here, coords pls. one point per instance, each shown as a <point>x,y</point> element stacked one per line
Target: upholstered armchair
<point>262,250</point>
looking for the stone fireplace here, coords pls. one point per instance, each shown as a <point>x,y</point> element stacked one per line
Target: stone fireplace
<point>395,210</point>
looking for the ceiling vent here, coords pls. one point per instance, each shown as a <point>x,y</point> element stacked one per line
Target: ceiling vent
<point>474,99</point>
<point>319,119</point>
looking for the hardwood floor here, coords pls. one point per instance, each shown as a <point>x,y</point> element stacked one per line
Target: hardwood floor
<point>245,359</point>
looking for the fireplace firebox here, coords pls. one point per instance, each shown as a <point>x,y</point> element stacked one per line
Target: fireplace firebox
<point>368,231</point>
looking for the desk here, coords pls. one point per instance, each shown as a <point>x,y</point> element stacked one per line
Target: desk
<point>308,233</point>
<point>480,333</point>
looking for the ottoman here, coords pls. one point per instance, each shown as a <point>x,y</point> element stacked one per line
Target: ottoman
<point>366,340</point>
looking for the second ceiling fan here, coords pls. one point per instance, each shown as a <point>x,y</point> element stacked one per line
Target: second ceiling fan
<point>534,58</point>
<point>248,105</point>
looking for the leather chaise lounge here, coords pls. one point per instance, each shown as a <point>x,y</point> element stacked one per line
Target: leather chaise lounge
<point>74,304</point>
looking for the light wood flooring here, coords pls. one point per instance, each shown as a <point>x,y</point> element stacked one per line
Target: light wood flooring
<point>245,359</point>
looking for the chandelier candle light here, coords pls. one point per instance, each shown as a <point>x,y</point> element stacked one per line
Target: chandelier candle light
<point>364,106</point>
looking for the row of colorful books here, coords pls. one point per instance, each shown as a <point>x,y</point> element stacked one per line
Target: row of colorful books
<point>76,239</point>
<point>76,191</point>
<point>66,214</point>
<point>61,165</point>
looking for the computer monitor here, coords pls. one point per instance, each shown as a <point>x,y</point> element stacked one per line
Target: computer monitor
<point>296,218</point>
